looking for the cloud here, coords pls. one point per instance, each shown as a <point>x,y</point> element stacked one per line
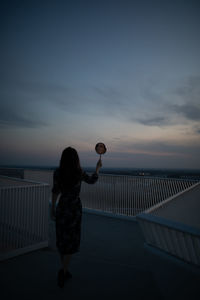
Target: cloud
<point>189,89</point>
<point>109,93</point>
<point>26,103</point>
<point>154,105</point>
<point>188,99</point>
<point>153,154</point>
<point>196,129</point>
<point>10,117</point>
<point>148,104</point>
<point>189,111</point>
<point>32,90</point>
<point>111,101</point>
<point>172,106</point>
<point>154,121</point>
<point>161,148</point>
<point>63,97</point>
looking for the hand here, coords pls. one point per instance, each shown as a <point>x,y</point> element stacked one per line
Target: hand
<point>99,165</point>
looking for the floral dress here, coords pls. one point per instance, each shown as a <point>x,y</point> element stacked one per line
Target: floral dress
<point>69,213</point>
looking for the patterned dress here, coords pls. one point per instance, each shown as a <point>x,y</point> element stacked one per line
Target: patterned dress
<point>69,213</point>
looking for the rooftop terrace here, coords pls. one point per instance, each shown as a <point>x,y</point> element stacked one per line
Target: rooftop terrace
<point>113,264</point>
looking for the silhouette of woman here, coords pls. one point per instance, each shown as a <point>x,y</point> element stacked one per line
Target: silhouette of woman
<point>68,213</point>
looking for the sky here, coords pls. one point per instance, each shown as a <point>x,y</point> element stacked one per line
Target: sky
<point>125,73</point>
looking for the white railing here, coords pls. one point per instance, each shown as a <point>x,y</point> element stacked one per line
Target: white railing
<point>23,218</point>
<point>121,194</point>
<point>24,208</point>
<point>129,195</point>
<point>177,239</point>
<point>173,226</point>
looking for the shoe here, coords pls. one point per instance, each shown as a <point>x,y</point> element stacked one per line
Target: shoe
<point>61,278</point>
<point>68,275</point>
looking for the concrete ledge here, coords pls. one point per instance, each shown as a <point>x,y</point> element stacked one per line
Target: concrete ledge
<point>110,215</point>
<point>169,223</point>
<point>20,251</point>
<point>173,259</point>
<point>177,239</point>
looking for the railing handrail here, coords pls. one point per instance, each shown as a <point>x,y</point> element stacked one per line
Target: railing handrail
<point>105,174</point>
<point>22,186</point>
<point>32,183</point>
<point>169,223</point>
<point>148,177</point>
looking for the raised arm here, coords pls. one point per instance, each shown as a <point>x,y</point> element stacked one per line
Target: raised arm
<point>91,179</point>
<point>98,166</point>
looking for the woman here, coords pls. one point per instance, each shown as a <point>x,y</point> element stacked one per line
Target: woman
<point>67,183</point>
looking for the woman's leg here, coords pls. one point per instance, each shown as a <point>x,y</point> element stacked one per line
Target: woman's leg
<point>65,259</point>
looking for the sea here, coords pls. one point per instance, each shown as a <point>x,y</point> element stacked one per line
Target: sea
<point>17,171</point>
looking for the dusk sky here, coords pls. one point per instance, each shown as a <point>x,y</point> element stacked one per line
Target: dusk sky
<point>126,73</point>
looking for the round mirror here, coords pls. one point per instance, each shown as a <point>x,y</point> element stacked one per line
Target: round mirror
<point>100,148</point>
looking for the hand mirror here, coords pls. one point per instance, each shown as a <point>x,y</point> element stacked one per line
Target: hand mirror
<point>100,148</point>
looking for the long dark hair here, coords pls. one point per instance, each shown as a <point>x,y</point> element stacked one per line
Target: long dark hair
<point>70,169</point>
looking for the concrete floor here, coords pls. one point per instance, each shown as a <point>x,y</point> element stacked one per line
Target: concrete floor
<point>113,264</point>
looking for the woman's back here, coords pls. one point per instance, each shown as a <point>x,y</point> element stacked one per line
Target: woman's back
<point>68,187</point>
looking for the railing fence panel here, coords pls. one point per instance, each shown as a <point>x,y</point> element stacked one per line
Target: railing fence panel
<point>23,218</point>
<point>128,195</point>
